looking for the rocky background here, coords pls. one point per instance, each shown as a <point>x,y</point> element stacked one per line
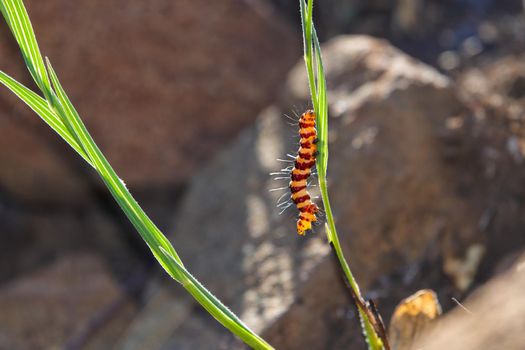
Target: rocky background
<point>188,101</point>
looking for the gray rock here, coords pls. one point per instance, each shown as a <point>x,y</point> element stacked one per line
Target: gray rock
<point>388,190</point>
<point>492,318</point>
<point>33,238</point>
<point>63,304</point>
<point>162,84</point>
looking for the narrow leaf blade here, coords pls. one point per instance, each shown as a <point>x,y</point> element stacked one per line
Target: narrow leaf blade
<point>42,109</point>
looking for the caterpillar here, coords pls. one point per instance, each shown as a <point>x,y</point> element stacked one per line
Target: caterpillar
<point>301,171</point>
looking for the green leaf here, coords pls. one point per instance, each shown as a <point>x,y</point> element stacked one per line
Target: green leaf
<point>18,21</point>
<point>218,309</point>
<point>322,112</point>
<point>147,229</point>
<point>40,106</point>
<point>59,113</point>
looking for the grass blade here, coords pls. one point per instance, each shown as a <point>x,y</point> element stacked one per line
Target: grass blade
<point>41,107</point>
<point>57,111</point>
<point>18,21</point>
<point>317,81</point>
<point>322,112</point>
<point>147,229</point>
<point>205,298</point>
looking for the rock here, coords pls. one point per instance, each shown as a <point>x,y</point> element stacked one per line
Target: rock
<point>393,193</point>
<point>492,318</point>
<point>492,173</point>
<point>463,271</point>
<point>62,306</point>
<point>164,312</point>
<point>161,85</point>
<point>389,186</point>
<point>34,238</point>
<point>34,168</point>
<point>265,262</point>
<point>500,79</point>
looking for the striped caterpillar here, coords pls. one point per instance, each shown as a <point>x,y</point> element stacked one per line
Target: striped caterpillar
<point>298,174</point>
<point>301,171</point>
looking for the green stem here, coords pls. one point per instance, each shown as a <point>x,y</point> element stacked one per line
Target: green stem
<point>373,340</point>
<point>307,23</point>
<point>317,84</point>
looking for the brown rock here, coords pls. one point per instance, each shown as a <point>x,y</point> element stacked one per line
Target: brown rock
<point>491,168</point>
<point>389,192</point>
<point>163,312</point>
<point>34,169</point>
<point>162,86</point>
<point>60,303</point>
<point>31,239</point>
<point>500,79</point>
<point>493,318</point>
<point>393,193</point>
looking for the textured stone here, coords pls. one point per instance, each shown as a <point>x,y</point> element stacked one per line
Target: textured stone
<point>492,318</point>
<point>34,167</point>
<point>61,303</point>
<point>163,312</point>
<point>389,192</point>
<point>31,239</point>
<point>391,188</point>
<point>162,86</point>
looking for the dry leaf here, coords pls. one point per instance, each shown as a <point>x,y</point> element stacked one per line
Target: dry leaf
<point>412,317</point>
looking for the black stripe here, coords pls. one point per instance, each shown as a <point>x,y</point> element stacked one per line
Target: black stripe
<point>307,156</point>
<point>305,135</point>
<point>306,124</point>
<point>301,199</point>
<point>295,189</point>
<point>304,166</point>
<point>299,177</point>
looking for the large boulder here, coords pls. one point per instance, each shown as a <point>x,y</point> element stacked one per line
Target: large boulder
<point>161,85</point>
<point>392,188</point>
<point>390,193</point>
<point>492,318</point>
<point>72,303</point>
<point>35,167</point>
<point>33,238</point>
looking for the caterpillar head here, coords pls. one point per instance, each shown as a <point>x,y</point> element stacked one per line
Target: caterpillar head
<point>303,225</point>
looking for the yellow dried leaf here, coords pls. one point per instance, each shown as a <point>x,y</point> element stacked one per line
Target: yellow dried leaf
<point>412,317</point>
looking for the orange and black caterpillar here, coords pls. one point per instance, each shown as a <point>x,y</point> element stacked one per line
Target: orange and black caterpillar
<point>302,169</point>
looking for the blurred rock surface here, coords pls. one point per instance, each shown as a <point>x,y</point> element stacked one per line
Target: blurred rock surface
<point>56,306</point>
<point>162,85</point>
<point>389,190</point>
<point>395,191</point>
<point>33,238</point>
<point>492,318</point>
<point>492,153</point>
<point>417,176</point>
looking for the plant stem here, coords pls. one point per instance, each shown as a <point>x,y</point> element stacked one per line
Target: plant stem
<point>375,337</point>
